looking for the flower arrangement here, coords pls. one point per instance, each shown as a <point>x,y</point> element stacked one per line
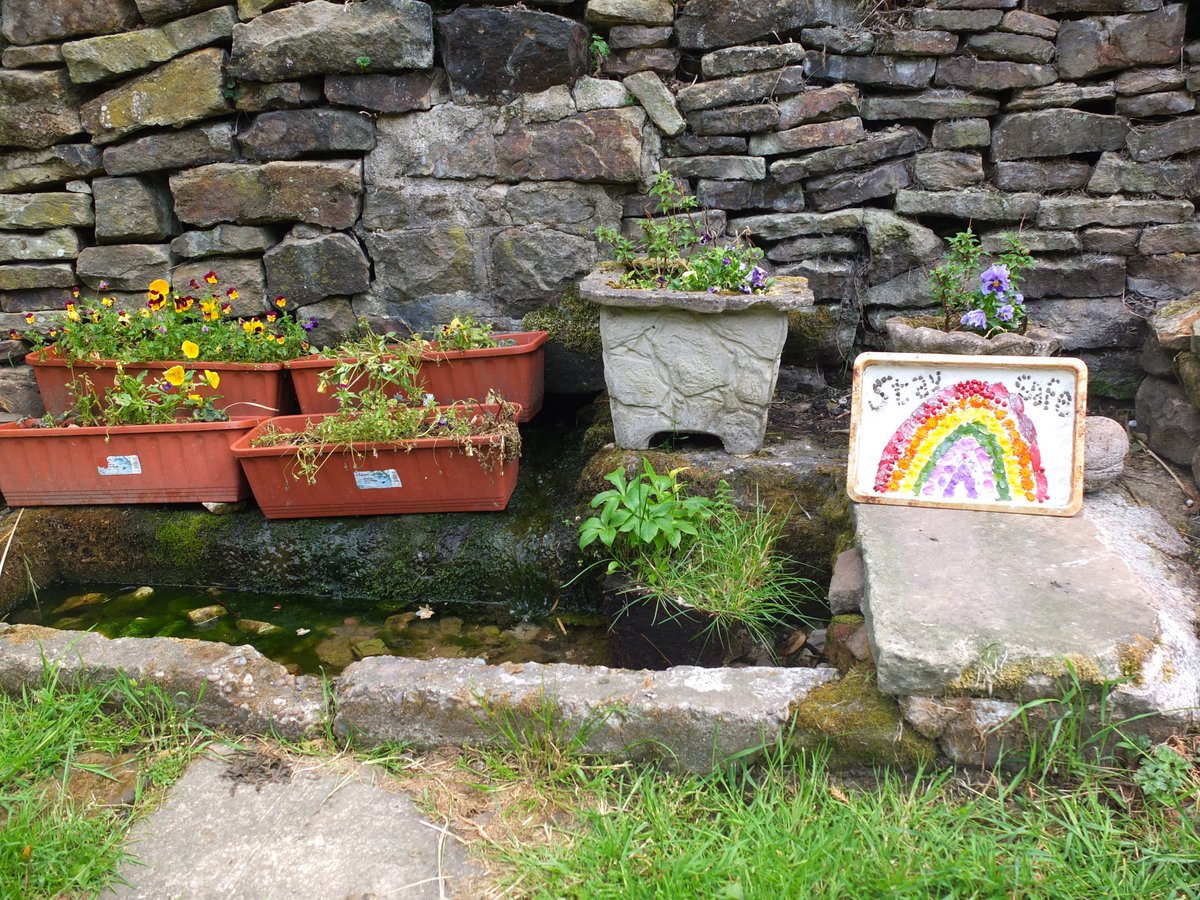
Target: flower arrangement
<point>468,334</point>
<point>678,252</point>
<point>986,300</point>
<point>140,400</point>
<point>201,325</point>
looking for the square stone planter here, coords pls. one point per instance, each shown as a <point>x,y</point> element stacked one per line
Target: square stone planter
<point>691,361</point>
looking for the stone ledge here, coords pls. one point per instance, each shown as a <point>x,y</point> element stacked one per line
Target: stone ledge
<point>788,293</point>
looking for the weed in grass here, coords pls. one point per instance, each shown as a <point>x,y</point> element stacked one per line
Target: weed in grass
<point>54,844</point>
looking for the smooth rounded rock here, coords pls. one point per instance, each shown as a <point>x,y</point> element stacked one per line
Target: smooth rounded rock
<point>1107,445</point>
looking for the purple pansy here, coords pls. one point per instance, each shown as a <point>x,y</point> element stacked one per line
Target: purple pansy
<point>994,279</point>
<point>1018,299</point>
<point>974,318</point>
<point>1005,313</point>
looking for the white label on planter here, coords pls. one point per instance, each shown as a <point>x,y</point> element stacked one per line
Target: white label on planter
<point>121,465</point>
<point>384,478</point>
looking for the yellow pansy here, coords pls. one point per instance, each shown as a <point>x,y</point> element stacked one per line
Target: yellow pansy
<point>174,375</point>
<point>195,398</point>
<point>213,379</point>
<point>159,286</point>
<point>190,349</point>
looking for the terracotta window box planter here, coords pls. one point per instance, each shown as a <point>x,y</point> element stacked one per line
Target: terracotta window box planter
<point>691,361</point>
<point>515,372</point>
<point>246,389</point>
<point>368,479</point>
<point>184,462</point>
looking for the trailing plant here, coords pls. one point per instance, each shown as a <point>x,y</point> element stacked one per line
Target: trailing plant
<point>142,400</point>
<point>468,334</point>
<point>679,251</point>
<point>374,363</point>
<point>974,297</point>
<point>203,321</point>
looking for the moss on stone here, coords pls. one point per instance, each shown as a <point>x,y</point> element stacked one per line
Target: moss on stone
<point>1132,657</point>
<point>861,726</point>
<point>186,534</point>
<point>570,320</point>
<point>1009,679</point>
<point>847,619</point>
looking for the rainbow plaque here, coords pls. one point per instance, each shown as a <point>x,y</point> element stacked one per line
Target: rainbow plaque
<point>968,432</point>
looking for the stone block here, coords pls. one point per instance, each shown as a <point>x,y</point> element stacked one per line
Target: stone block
<point>533,264</point>
<point>798,249</point>
<point>706,24</point>
<point>740,60</point>
<point>19,394</point>
<point>1148,81</point>
<point>1161,239</point>
<point>598,93</point>
<point>720,168</point>
<point>1052,7</point>
<point>916,43</point>
<point>320,193</point>
<point>699,145</point>
<point>636,37</point>
<point>991,74</point>
<point>829,279</point>
<point>133,209</point>
<point>847,585</point>
<point>1034,241</point>
<point>182,149</point>
<point>35,276</point>
<point>1075,276</point>
<point>1088,323</point>
<point>1021,48</point>
<point>1113,373</point>
<point>961,134</point>
<point>1164,277</point>
<point>126,267</point>
<point>156,12</point>
<point>1174,324</point>
<point>1075,212</point>
<point>714,194</point>
<point>1088,47</point>
<point>630,12</point>
<point>658,102</point>
<point>934,104</point>
<point>37,108</point>
<point>243,273</point>
<point>741,89</point>
<point>256,97</point>
<point>663,60</point>
<point>957,19</point>
<point>429,261</point>
<point>896,244</point>
<point>839,39</point>
<point>1019,21</point>
<point>43,211</point>
<point>778,226</point>
<point>886,71</point>
<point>1115,174</point>
<point>58,244</point>
<point>39,56</point>
<point>839,190</point>
<point>223,240</point>
<point>1160,141</point>
<point>184,90</point>
<point>815,136</point>
<point>1042,175</point>
<point>388,93</point>
<point>288,134</point>
<point>734,120</point>
<point>39,21</point>
<point>498,53</point>
<point>977,205</point>
<point>818,104</point>
<point>1121,241</point>
<point>1057,96</point>
<point>947,170</point>
<point>321,38</point>
<point>1165,103</point>
<point>114,56</point>
<point>1056,132</point>
<point>1169,420</point>
<point>308,270</point>
<point>875,147</point>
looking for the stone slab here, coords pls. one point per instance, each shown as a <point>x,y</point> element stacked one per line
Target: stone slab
<point>688,716</point>
<point>956,599</point>
<point>319,833</point>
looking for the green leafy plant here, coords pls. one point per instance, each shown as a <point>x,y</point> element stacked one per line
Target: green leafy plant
<point>200,325</point>
<point>599,50</point>
<point>1165,775</point>
<point>141,400</point>
<point>679,251</point>
<point>362,61</point>
<point>468,334</point>
<point>984,299</point>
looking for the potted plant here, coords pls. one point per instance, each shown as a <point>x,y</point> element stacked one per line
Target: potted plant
<point>983,309</point>
<point>691,329</point>
<point>693,580</point>
<point>379,454</point>
<point>144,440</point>
<point>464,363</point>
<point>195,331</point>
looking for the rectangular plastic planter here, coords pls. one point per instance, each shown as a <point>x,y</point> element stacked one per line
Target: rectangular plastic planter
<point>184,462</point>
<point>419,476</point>
<point>246,389</point>
<point>515,372</point>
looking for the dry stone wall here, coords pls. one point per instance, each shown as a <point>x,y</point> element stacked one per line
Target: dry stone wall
<point>410,161</point>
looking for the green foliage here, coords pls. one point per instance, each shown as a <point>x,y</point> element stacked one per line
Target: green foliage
<point>1165,775</point>
<point>599,50</point>
<point>168,321</point>
<point>362,61</point>
<point>140,400</point>
<point>468,334</point>
<point>678,252</point>
<point>642,518</point>
<point>984,299</point>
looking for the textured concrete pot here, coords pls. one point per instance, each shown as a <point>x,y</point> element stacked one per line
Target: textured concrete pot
<point>690,361</point>
<point>915,336</point>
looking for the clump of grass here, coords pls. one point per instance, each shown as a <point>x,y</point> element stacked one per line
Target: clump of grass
<point>52,845</point>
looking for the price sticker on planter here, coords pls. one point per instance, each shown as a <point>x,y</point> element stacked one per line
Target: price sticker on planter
<point>382,478</point>
<point>121,465</point>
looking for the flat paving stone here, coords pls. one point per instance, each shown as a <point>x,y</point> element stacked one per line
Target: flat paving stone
<point>316,833</point>
<point>955,596</point>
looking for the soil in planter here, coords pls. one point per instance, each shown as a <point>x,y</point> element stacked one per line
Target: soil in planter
<point>312,635</point>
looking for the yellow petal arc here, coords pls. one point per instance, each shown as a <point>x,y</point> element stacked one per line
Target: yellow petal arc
<point>174,375</point>
<point>190,349</point>
<point>160,286</point>
<point>213,379</point>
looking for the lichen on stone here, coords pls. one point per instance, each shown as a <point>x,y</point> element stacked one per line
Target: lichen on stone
<point>1004,678</point>
<point>570,320</point>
